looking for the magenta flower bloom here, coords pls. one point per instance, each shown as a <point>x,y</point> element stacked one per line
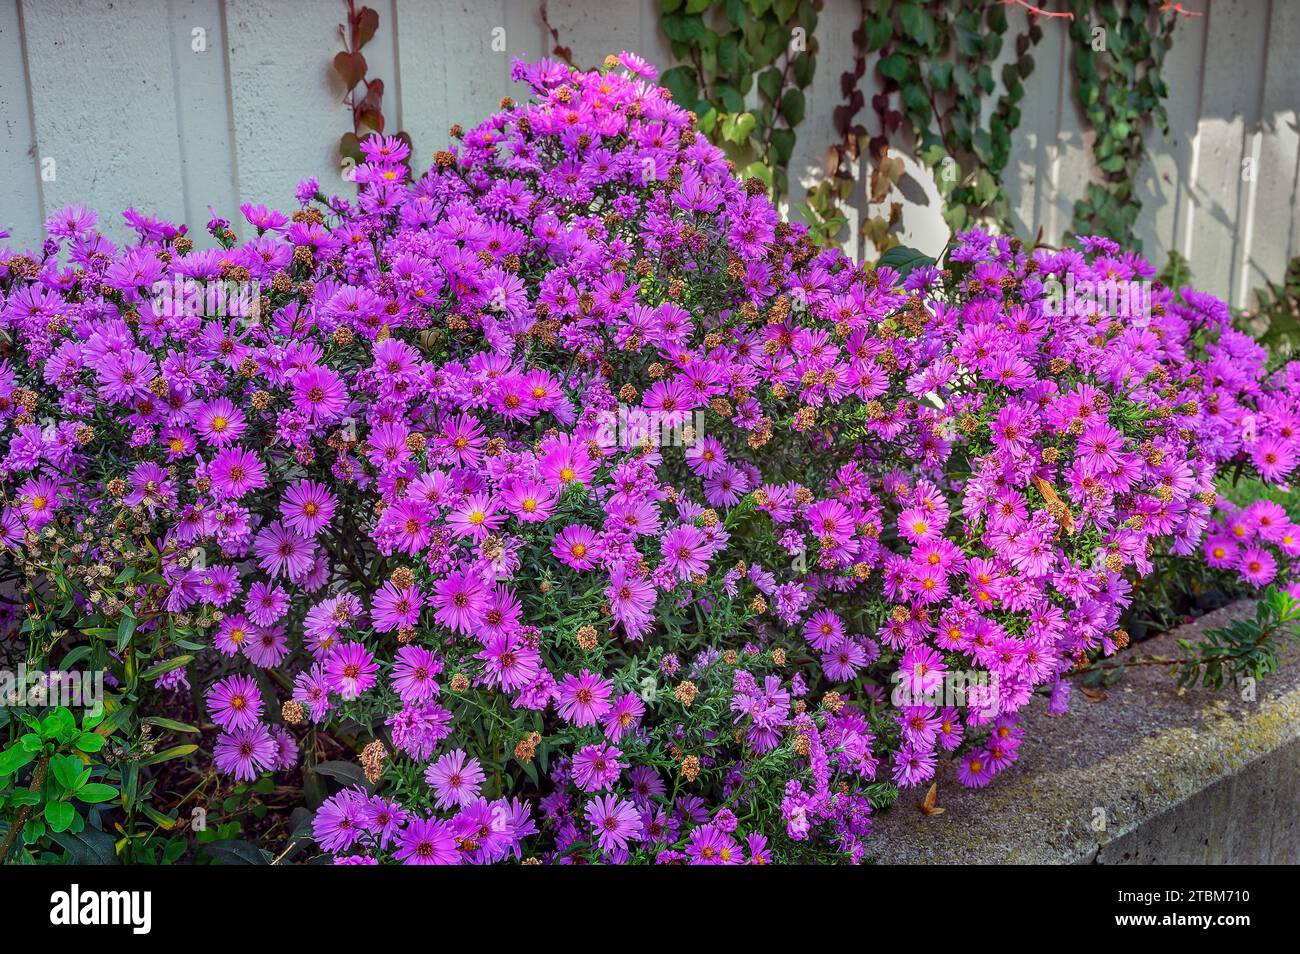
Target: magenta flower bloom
<point>583,698</point>
<point>624,717</point>
<point>265,604</point>
<point>509,661</point>
<point>414,674</point>
<point>596,767</point>
<point>307,507</point>
<point>459,601</point>
<point>350,670</point>
<point>615,821</point>
<point>235,702</point>
<point>922,670</point>
<point>455,779</point>
<point>684,551</point>
<point>246,752</point>
<point>574,546</point>
<point>1257,566</point>
<point>396,607</point>
<point>428,841</point>
<point>320,394</point>
<point>531,501</point>
<point>341,821</point>
<point>282,552</point>
<point>220,423</point>
<point>236,472</point>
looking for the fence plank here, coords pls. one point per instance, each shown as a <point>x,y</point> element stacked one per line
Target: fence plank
<point>1234,55</point>
<point>288,111</point>
<point>21,213</point>
<point>105,107</point>
<point>1272,235</point>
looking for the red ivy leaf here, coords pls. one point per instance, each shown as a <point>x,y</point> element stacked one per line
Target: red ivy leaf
<point>367,24</point>
<point>372,118</point>
<point>350,66</point>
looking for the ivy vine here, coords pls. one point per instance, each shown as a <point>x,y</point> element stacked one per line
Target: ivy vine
<point>1119,50</point>
<point>365,94</point>
<point>745,65</point>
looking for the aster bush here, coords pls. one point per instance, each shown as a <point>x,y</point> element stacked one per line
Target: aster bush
<point>566,504</point>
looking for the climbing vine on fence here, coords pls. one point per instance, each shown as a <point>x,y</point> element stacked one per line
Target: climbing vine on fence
<point>729,49</point>
<point>365,94</point>
<point>937,68</point>
<point>1119,51</point>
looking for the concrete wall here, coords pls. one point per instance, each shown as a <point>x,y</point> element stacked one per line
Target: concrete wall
<point>115,94</point>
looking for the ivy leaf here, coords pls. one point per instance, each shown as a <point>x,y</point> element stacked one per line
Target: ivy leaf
<point>782,145</point>
<point>805,64</point>
<point>904,260</point>
<point>351,67</point>
<point>918,24</point>
<point>894,67</point>
<point>367,24</point>
<point>682,82</point>
<point>878,33</point>
<point>941,75</point>
<point>792,107</point>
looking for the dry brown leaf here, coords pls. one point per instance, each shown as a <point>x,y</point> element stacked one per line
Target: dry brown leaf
<point>930,806</point>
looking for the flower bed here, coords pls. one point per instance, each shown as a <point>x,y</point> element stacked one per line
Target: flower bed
<point>586,507</point>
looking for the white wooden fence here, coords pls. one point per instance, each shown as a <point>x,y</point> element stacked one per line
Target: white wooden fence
<point>175,105</point>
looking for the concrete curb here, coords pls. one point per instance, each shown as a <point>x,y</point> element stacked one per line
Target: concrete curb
<point>1148,774</point>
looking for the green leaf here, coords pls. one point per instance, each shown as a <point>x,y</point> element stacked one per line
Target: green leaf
<point>166,666</point>
<point>93,792</point>
<point>175,752</point>
<point>170,724</point>
<point>782,145</point>
<point>88,847</point>
<point>235,852</point>
<point>14,758</point>
<point>90,742</point>
<point>125,630</point>
<point>792,107</point>
<point>903,260</point>
<point>918,24</point>
<point>66,770</point>
<point>59,815</point>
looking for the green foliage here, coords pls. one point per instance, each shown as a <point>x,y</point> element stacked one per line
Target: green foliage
<point>1275,320</point>
<point>61,794</point>
<point>78,767</point>
<point>1177,272</point>
<point>938,57</point>
<point>745,67</point>
<point>1245,648</point>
